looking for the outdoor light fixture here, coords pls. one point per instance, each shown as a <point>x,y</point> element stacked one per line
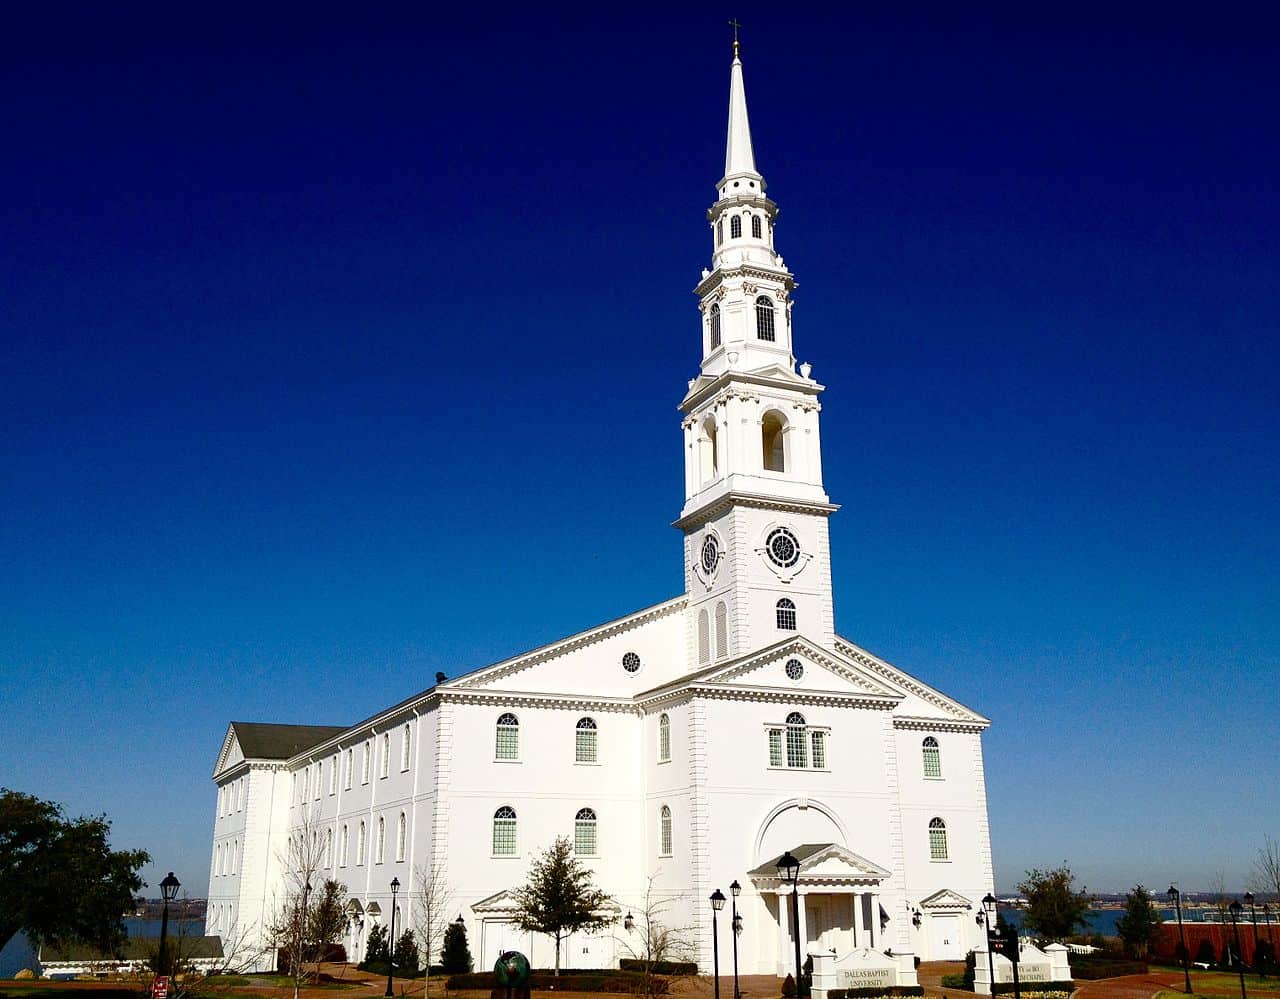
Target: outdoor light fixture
<point>789,870</point>
<point>628,922</point>
<point>735,924</point>
<point>989,905</point>
<point>717,903</point>
<point>1175,897</point>
<point>391,950</point>
<point>168,891</point>
<point>1235,909</point>
<point>915,917</point>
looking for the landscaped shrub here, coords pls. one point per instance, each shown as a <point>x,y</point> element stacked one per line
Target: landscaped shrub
<point>1091,967</point>
<point>1205,954</point>
<point>876,992</point>
<point>660,967</point>
<point>1038,990</point>
<point>970,962</point>
<point>956,982</point>
<point>789,987</point>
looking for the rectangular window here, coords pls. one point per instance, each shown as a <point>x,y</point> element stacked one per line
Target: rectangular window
<point>664,743</point>
<point>504,837</point>
<point>932,761</point>
<point>818,743</point>
<point>937,844</point>
<point>508,742</point>
<point>584,838</point>
<point>775,747</point>
<point>585,746</point>
<point>797,756</point>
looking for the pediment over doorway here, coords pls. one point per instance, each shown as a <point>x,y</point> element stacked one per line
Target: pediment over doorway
<point>823,864</point>
<point>944,900</point>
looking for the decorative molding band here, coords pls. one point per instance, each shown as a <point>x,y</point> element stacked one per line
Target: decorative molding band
<point>937,724</point>
<point>759,502</point>
<point>813,653</point>
<point>896,676</point>
<point>530,699</point>
<point>778,695</point>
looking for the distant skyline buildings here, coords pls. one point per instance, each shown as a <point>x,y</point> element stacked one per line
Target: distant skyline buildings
<point>265,288</point>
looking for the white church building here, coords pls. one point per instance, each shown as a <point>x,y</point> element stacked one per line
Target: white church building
<point>692,742</point>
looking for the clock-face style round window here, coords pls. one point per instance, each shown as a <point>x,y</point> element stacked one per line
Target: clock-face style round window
<point>710,553</point>
<point>783,548</point>
<point>795,669</point>
<point>631,662</point>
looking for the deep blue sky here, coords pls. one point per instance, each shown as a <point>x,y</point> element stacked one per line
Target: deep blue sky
<point>343,347</point>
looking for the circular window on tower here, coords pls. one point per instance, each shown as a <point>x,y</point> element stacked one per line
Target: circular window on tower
<point>795,669</point>
<point>710,554</point>
<point>783,548</point>
<point>631,662</point>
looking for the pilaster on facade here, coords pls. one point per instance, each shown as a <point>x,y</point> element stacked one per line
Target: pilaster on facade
<point>443,780</point>
<point>897,859</point>
<point>699,824</point>
<point>984,825</point>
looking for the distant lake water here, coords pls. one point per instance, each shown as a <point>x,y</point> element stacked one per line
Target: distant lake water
<point>20,954</point>
<point>1100,920</point>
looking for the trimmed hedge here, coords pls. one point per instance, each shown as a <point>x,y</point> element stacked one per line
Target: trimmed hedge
<point>659,967</point>
<point>570,980</point>
<point>959,981</point>
<point>1088,968</point>
<point>873,992</point>
<point>1045,989</point>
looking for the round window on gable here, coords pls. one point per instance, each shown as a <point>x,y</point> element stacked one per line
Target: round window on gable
<point>795,669</point>
<point>783,547</point>
<point>631,662</point>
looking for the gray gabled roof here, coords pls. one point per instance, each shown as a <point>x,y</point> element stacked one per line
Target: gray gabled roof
<point>259,741</point>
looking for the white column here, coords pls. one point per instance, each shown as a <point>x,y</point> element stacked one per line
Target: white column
<point>875,921</point>
<point>803,928</point>
<point>784,934</point>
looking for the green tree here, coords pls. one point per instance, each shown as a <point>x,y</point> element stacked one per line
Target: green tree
<point>59,879</point>
<point>377,949</point>
<point>1054,907</point>
<point>560,897</point>
<point>406,954</point>
<point>1140,923</point>
<point>456,955</point>
<point>328,918</point>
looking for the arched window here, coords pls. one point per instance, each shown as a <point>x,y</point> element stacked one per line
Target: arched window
<point>755,226</point>
<point>584,833</point>
<point>235,857</point>
<point>365,763</point>
<point>786,615</point>
<point>508,737</point>
<point>797,748</point>
<point>773,443</point>
<point>715,326</point>
<point>937,839</point>
<point>719,232</point>
<point>704,638</point>
<point>328,848</point>
<point>664,738</point>
<point>735,226</point>
<point>932,757</point>
<point>709,456</point>
<point>350,770</point>
<point>333,775</point>
<point>722,630</point>
<point>217,861</point>
<point>380,846</point>
<point>664,831</point>
<point>344,844</point>
<point>764,318</point>
<point>504,832</point>
<point>362,844</point>
<point>402,828</point>
<point>386,753</point>
<point>584,744</point>
<point>406,747</point>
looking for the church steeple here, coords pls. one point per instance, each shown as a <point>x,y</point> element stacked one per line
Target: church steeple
<point>739,158</point>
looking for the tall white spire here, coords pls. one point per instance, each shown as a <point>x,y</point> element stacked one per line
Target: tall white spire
<point>738,155</point>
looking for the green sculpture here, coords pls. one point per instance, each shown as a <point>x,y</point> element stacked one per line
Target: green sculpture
<point>511,970</point>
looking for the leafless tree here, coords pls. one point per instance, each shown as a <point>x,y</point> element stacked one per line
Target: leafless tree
<point>1265,874</point>
<point>1218,894</point>
<point>190,955</point>
<point>291,924</point>
<point>651,940</point>
<point>431,908</point>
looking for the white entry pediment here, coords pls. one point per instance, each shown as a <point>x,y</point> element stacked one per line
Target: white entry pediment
<point>945,899</point>
<point>824,863</point>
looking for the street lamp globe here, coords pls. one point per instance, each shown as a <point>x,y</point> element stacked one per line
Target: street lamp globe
<point>735,889</point>
<point>629,922</point>
<point>717,900</point>
<point>989,906</point>
<point>788,867</point>
<point>1173,893</point>
<point>169,887</point>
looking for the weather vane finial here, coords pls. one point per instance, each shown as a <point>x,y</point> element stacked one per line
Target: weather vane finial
<point>736,25</point>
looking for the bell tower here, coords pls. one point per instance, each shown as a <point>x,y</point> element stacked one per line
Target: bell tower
<point>757,557</point>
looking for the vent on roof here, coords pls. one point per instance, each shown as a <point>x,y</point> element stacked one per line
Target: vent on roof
<point>440,677</point>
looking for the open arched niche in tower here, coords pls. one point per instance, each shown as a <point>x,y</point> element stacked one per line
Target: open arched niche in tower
<point>792,825</point>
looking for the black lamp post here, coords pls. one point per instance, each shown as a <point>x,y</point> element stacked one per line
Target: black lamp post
<point>735,925</point>
<point>1235,908</point>
<point>1266,912</point>
<point>1175,897</point>
<point>717,903</point>
<point>789,870</point>
<point>629,922</point>
<point>391,949</point>
<point>168,891</point>
<point>989,910</point>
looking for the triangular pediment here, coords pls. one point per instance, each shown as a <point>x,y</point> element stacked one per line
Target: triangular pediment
<point>799,665</point>
<point>230,754</point>
<point>945,899</point>
<point>825,863</point>
<point>502,901</point>
<point>923,707</point>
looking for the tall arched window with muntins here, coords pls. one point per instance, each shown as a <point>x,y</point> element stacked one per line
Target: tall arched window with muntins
<point>386,753</point>
<point>584,833</point>
<point>704,638</point>
<point>664,831</point>
<point>735,227</point>
<point>328,848</point>
<point>764,319</point>
<point>755,227</point>
<point>932,757</point>
<point>361,844</point>
<point>937,839</point>
<point>504,832</point>
<point>715,326</point>
<point>402,830</point>
<point>507,739</point>
<point>797,748</point>
<point>406,747</point>
<point>585,744</point>
<point>719,232</point>
<point>722,630</point>
<point>773,455</point>
<point>786,615</point>
<point>344,845</point>
<point>664,738</point>
<point>380,844</point>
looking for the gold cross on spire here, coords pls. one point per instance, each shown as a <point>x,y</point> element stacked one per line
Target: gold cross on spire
<point>733,21</point>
